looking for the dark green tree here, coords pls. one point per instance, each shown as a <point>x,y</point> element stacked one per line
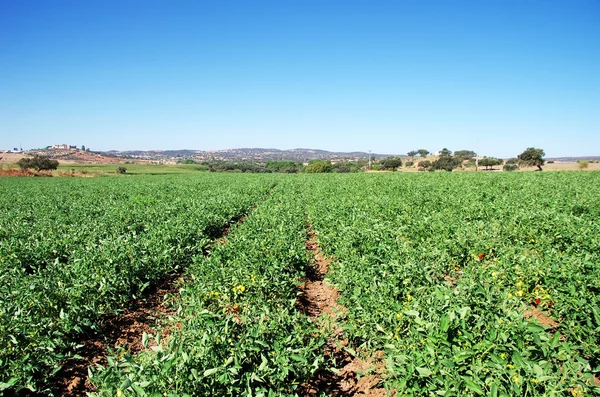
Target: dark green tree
<point>424,164</point>
<point>391,163</point>
<point>490,162</point>
<point>423,152</point>
<point>412,153</point>
<point>39,163</point>
<point>445,152</point>
<point>464,154</point>
<point>532,157</point>
<point>446,163</point>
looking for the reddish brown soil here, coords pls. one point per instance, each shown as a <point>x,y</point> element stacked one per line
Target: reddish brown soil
<point>124,330</point>
<point>540,316</point>
<point>352,375</point>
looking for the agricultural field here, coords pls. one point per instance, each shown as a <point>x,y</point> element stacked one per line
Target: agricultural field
<point>450,284</point>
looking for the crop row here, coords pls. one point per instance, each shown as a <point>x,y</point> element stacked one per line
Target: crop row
<point>74,250</point>
<point>237,331</point>
<point>471,284</point>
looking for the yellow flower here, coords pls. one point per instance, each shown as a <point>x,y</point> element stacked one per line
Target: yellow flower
<point>520,293</point>
<point>494,274</point>
<point>239,289</point>
<point>515,378</point>
<point>457,269</point>
<point>398,316</point>
<point>503,356</point>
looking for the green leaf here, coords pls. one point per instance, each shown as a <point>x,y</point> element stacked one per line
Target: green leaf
<point>424,372</point>
<point>494,390</point>
<point>473,387</point>
<point>298,358</point>
<point>211,371</point>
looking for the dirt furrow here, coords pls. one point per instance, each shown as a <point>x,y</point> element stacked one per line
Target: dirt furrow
<point>126,330</point>
<point>349,374</point>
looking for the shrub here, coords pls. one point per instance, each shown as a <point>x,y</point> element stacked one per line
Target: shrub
<point>121,170</point>
<point>410,163</point>
<point>424,164</point>
<point>39,163</point>
<point>583,164</point>
<point>510,167</point>
<point>318,166</point>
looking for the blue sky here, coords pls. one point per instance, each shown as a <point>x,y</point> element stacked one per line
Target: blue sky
<point>347,75</point>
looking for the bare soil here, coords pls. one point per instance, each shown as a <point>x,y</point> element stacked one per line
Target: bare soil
<point>126,330</point>
<point>352,375</point>
<point>543,318</point>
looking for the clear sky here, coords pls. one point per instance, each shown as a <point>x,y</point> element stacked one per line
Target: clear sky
<point>386,76</point>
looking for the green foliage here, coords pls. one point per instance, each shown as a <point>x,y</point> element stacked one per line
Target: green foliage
<point>391,163</point>
<point>510,167</point>
<point>345,167</point>
<point>424,164</point>
<point>412,153</point>
<point>288,167</point>
<point>582,164</point>
<point>436,270</point>
<point>490,162</point>
<point>531,157</point>
<point>410,163</point>
<point>39,163</point>
<point>445,163</point>
<point>121,170</point>
<point>188,161</point>
<point>445,153</point>
<point>238,331</point>
<point>318,166</point>
<point>423,152</point>
<point>464,154</point>
<point>73,250</point>
<point>512,160</point>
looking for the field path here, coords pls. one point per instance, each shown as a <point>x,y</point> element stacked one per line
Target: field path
<point>349,375</point>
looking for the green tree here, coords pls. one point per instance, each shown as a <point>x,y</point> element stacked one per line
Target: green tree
<point>445,152</point>
<point>424,164</point>
<point>490,162</point>
<point>423,152</point>
<point>39,163</point>
<point>318,166</point>
<point>391,163</point>
<point>464,154</point>
<point>446,163</point>
<point>412,153</point>
<point>532,157</point>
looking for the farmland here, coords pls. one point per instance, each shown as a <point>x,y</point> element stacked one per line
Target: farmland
<point>462,284</point>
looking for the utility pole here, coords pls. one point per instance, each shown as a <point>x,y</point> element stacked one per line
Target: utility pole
<point>477,156</point>
<point>369,160</point>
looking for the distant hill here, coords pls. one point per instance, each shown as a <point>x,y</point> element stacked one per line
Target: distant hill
<point>243,154</point>
<point>573,159</point>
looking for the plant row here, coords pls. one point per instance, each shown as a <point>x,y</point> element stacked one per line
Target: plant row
<point>72,251</point>
<point>237,331</point>
<point>471,284</point>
